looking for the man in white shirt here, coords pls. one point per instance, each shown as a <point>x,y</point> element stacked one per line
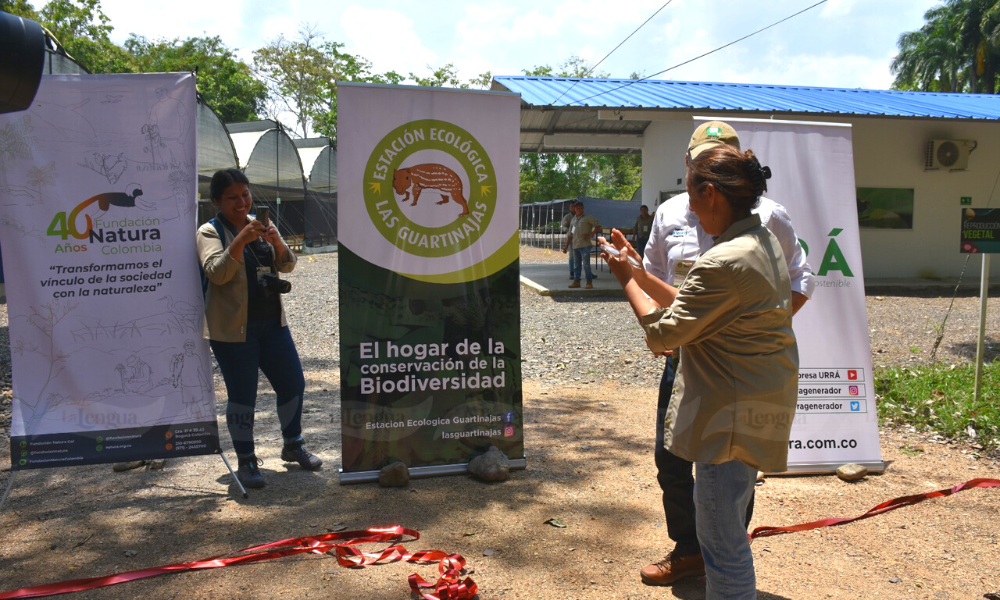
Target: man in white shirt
<point>676,240</point>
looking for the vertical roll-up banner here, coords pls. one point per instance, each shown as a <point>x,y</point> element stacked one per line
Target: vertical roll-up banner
<point>429,278</point>
<point>97,219</point>
<point>813,178</point>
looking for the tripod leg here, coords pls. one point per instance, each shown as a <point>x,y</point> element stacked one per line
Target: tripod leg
<point>10,484</point>
<point>235,478</point>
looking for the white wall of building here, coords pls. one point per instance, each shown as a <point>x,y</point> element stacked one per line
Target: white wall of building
<point>888,153</point>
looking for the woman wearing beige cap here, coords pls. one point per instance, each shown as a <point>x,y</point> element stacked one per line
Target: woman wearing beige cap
<point>734,396</point>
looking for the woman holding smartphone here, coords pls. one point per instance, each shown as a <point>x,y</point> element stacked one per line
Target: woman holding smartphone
<point>245,321</point>
<point>735,391</point>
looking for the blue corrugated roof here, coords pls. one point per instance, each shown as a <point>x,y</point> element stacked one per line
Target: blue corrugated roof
<point>735,97</point>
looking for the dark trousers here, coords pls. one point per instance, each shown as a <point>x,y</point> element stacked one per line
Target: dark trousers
<point>676,479</point>
<point>269,346</point>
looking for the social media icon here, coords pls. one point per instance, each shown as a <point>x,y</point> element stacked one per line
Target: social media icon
<point>508,417</point>
<point>852,375</point>
<point>508,431</point>
<point>852,390</point>
<point>855,406</point>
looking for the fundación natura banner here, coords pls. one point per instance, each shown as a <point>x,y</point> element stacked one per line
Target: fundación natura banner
<point>429,278</point>
<point>97,220</point>
<point>813,178</point>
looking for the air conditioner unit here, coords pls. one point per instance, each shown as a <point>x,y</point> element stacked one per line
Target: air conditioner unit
<point>948,154</point>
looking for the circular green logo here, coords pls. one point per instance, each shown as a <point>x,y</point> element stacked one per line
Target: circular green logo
<point>430,188</point>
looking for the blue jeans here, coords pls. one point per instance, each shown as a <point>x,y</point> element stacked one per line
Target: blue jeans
<point>721,493</point>
<point>581,257</point>
<point>269,346</point>
<point>674,476</point>
<point>571,263</point>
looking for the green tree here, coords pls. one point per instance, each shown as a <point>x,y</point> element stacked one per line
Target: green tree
<point>224,81</point>
<point>447,76</point>
<point>546,177</point>
<point>294,72</point>
<point>84,31</point>
<point>347,67</point>
<point>957,49</point>
<point>931,58</point>
<point>21,8</point>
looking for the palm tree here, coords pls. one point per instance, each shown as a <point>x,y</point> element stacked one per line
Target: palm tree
<point>931,58</point>
<point>981,57</point>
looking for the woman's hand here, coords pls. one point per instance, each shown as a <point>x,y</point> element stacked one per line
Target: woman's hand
<point>622,244</point>
<point>252,231</point>
<point>272,237</point>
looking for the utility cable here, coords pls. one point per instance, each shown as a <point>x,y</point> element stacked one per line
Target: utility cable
<point>591,70</point>
<point>700,56</point>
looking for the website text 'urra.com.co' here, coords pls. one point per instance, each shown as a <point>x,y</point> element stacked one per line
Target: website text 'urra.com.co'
<point>821,444</point>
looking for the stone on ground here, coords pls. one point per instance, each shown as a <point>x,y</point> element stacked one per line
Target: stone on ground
<point>394,474</point>
<point>492,466</point>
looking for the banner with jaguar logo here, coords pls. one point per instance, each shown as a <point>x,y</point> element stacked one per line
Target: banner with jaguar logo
<point>429,278</point>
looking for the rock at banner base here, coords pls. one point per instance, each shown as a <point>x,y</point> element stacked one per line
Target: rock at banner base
<point>127,466</point>
<point>852,472</point>
<point>156,464</point>
<point>492,466</point>
<point>394,474</point>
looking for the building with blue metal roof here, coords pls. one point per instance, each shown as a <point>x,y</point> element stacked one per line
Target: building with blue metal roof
<point>891,132</point>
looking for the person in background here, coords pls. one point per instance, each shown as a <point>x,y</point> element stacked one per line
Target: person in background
<point>737,380</point>
<point>582,229</point>
<point>643,225</point>
<point>564,225</point>
<point>245,322</point>
<point>676,241</point>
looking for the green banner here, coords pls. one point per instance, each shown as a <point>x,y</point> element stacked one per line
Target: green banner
<point>429,277</point>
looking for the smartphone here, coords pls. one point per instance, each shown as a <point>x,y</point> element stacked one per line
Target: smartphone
<point>615,252</point>
<point>264,215</point>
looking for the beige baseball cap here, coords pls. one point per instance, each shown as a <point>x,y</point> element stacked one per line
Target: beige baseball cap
<point>711,133</point>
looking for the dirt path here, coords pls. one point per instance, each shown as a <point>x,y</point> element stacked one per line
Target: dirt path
<point>590,465</point>
<point>589,447</point>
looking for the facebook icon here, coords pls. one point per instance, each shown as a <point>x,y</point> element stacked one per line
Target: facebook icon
<point>508,417</point>
<point>855,406</point>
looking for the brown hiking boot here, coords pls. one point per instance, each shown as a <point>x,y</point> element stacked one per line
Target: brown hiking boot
<point>590,285</point>
<point>673,568</point>
<point>575,284</point>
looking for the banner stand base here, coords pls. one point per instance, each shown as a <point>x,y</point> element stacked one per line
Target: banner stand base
<point>826,468</point>
<point>516,464</point>
<point>235,478</point>
<point>10,484</point>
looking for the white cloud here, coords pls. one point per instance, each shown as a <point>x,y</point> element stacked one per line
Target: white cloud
<point>837,8</point>
<point>387,38</point>
<point>179,18</point>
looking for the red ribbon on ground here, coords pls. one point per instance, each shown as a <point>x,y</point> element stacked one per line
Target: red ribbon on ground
<point>881,508</point>
<point>449,585</point>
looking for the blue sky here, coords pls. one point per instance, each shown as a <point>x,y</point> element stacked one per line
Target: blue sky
<point>842,43</point>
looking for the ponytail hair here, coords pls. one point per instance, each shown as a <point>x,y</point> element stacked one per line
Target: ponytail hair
<point>737,175</point>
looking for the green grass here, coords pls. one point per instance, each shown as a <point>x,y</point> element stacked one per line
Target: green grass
<point>940,398</point>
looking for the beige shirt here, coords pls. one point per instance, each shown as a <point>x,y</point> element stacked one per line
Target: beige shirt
<point>226,300</point>
<point>579,227</point>
<point>735,392</point>
<point>643,225</point>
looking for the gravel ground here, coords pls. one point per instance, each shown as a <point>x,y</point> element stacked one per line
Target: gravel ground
<point>589,394</point>
<point>903,331</point>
